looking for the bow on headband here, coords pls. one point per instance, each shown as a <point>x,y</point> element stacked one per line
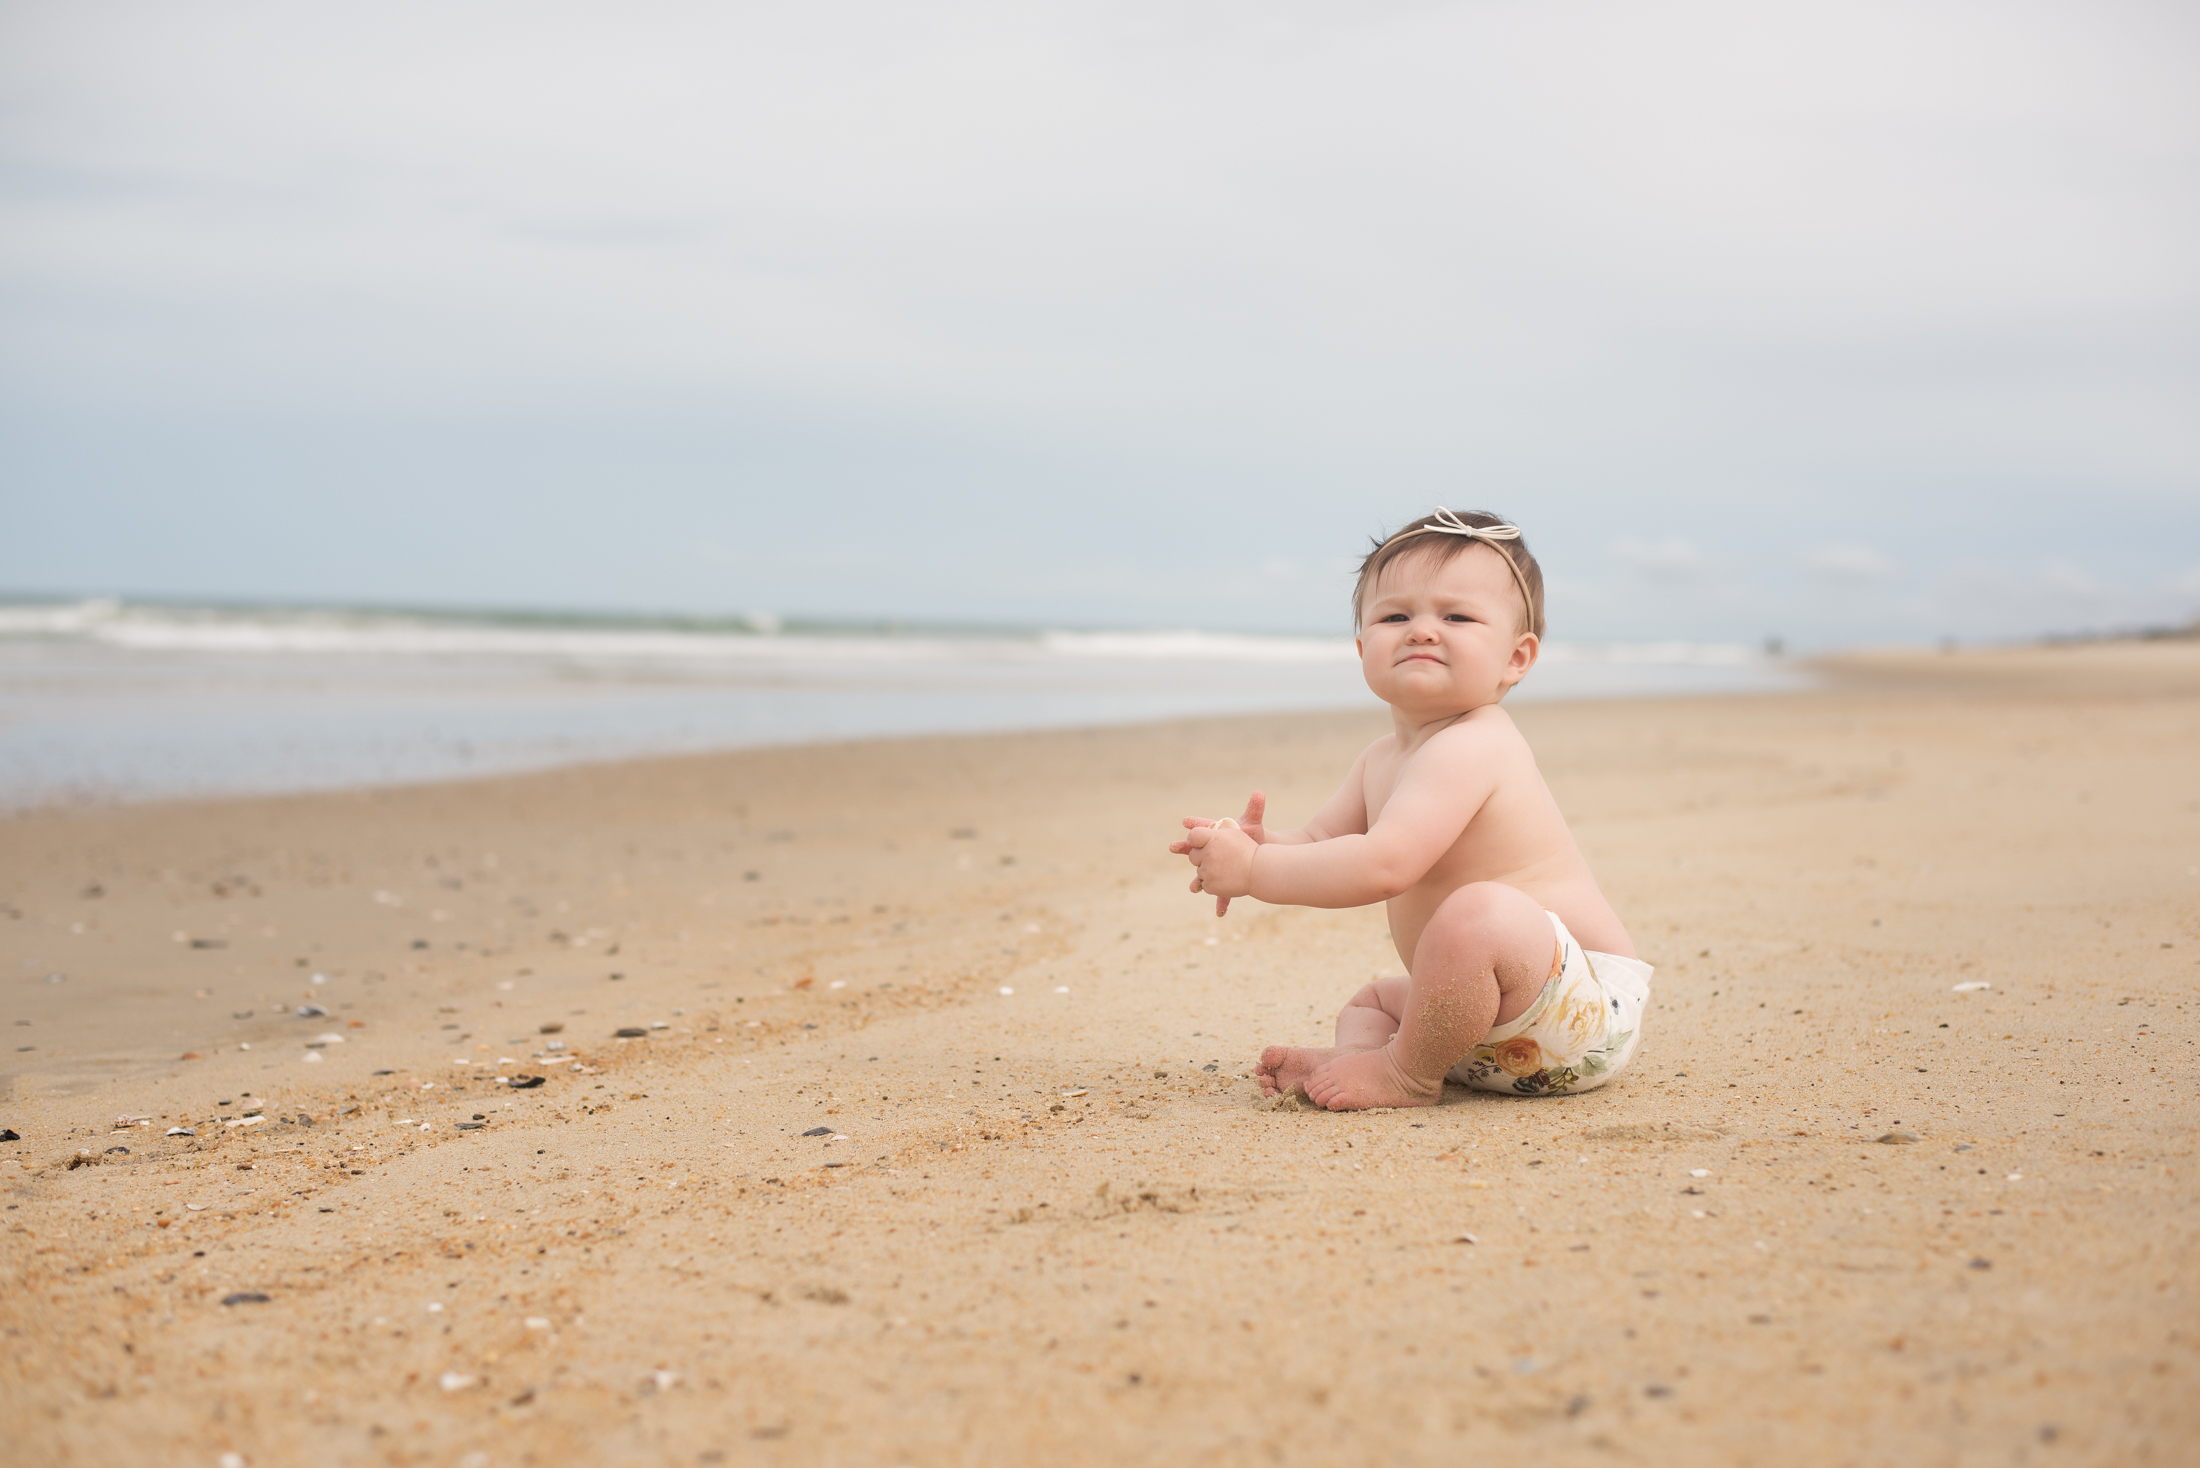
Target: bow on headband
<point>1493,536</point>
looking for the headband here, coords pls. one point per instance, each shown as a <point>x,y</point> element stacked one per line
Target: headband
<point>1492,536</point>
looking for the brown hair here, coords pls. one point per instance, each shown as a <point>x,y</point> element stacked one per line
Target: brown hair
<point>1446,544</point>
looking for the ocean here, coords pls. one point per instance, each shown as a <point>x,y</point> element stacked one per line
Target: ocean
<point>119,701</point>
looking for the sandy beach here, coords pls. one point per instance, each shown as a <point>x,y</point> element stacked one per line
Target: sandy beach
<point>894,1108</point>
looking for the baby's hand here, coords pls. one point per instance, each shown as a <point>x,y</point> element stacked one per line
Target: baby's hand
<point>1223,853</point>
<point>1256,806</point>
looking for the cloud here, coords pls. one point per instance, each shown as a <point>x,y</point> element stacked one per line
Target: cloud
<point>1673,559</point>
<point>1850,564</point>
<point>1024,305</point>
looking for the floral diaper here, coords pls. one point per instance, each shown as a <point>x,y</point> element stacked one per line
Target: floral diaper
<point>1580,1032</point>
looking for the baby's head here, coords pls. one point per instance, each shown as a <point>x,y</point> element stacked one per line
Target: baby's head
<point>1442,536</point>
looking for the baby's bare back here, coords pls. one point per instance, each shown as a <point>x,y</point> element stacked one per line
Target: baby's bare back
<point>1518,837</point>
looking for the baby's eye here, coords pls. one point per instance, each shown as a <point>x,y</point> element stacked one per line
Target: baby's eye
<point>1397,617</point>
<point>1458,617</point>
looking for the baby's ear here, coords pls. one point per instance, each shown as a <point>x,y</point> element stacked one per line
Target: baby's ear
<point>1524,654</point>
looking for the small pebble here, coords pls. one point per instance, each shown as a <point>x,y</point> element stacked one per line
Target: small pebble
<point>630,1032</point>
<point>1972,987</point>
<point>1897,1139</point>
<point>819,1131</point>
<point>550,1027</point>
<point>174,1131</point>
<point>1699,1172</point>
<point>10,1134</point>
<point>471,1126</point>
<point>309,1011</point>
<point>111,1151</point>
<point>454,1381</point>
<point>525,1083</point>
<point>1466,1239</point>
<point>1982,1264</point>
<point>310,1055</point>
<point>245,1297</point>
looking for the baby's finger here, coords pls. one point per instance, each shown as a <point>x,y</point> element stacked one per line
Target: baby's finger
<point>1195,885</point>
<point>1193,823</point>
<point>1222,907</point>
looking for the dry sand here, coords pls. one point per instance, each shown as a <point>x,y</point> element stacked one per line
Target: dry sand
<point>1057,1225</point>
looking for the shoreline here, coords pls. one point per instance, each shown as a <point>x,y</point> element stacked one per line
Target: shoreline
<point>1036,1220</point>
<point>268,727</point>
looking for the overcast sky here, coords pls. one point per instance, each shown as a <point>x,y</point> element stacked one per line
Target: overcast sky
<point>1847,322</point>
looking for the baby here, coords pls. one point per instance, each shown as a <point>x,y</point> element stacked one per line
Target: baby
<point>1519,976</point>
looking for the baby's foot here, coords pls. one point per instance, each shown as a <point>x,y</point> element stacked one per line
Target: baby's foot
<point>1284,1069</point>
<point>1357,1080</point>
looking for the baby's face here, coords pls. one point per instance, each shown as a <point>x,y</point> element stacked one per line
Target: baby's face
<point>1440,640</point>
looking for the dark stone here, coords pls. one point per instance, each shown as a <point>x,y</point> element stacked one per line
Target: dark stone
<point>471,1126</point>
<point>10,1134</point>
<point>630,1032</point>
<point>245,1297</point>
<point>525,1083</point>
<point>309,1011</point>
<point>819,1131</point>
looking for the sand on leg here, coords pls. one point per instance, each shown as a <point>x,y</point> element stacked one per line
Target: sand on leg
<point>1481,961</point>
<point>1367,1021</point>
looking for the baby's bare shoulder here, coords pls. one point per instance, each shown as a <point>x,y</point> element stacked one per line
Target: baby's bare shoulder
<point>1486,733</point>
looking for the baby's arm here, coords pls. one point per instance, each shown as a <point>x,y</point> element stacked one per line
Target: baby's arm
<point>1344,812</point>
<point>1438,793</point>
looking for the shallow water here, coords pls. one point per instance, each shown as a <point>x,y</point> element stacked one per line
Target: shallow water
<point>104,701</point>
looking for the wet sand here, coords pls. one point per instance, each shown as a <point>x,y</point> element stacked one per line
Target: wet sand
<point>938,1145</point>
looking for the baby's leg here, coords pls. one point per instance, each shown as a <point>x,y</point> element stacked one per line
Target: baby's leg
<point>1482,959</point>
<point>1367,1022</point>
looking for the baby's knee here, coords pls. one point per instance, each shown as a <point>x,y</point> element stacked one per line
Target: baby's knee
<point>1480,904</point>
